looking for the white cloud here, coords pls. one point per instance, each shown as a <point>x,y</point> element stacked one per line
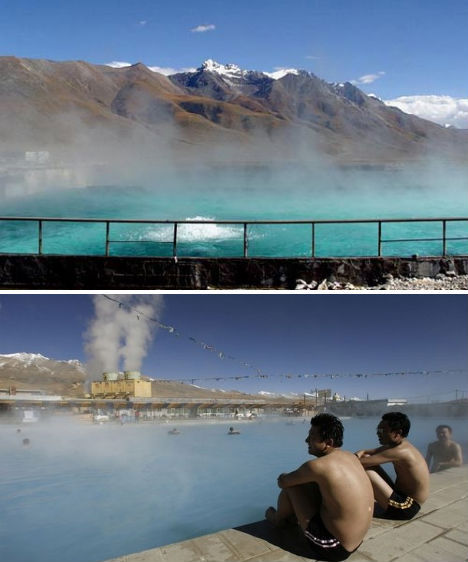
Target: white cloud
<point>142,22</point>
<point>118,64</point>
<point>203,28</point>
<point>167,71</point>
<point>444,110</point>
<point>368,78</point>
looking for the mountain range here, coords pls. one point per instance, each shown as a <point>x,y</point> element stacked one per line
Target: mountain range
<point>32,371</point>
<point>65,107</point>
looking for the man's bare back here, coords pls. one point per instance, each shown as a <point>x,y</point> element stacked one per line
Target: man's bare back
<point>401,499</point>
<point>331,496</point>
<point>347,498</point>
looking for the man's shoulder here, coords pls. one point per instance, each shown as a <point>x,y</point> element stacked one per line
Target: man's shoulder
<point>411,453</point>
<point>337,456</point>
<point>322,462</point>
<point>402,451</point>
<point>342,453</point>
<point>408,445</point>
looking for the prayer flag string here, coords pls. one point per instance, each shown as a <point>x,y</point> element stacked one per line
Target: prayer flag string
<point>259,373</point>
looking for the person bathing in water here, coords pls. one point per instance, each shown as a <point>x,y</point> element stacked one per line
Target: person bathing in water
<point>330,496</point>
<point>401,499</point>
<point>445,452</point>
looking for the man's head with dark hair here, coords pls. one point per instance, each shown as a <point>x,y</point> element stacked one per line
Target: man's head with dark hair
<point>397,422</point>
<point>444,432</point>
<point>329,427</point>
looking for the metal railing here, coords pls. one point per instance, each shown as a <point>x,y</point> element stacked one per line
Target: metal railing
<point>109,242</point>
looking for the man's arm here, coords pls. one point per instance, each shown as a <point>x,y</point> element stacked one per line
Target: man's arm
<point>456,460</point>
<point>366,452</point>
<point>305,473</point>
<point>429,455</point>
<point>381,456</point>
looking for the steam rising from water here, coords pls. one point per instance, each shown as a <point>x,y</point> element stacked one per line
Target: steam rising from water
<point>117,333</point>
<point>284,177</point>
<point>96,492</point>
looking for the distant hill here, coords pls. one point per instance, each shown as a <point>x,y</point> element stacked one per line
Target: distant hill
<point>68,378</point>
<point>35,372</point>
<point>60,106</point>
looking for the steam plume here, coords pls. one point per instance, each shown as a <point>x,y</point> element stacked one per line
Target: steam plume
<point>119,334</point>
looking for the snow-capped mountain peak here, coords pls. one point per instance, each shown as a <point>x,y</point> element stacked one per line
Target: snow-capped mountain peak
<point>281,73</point>
<point>230,70</point>
<point>234,71</point>
<point>25,357</point>
<point>291,395</point>
<point>31,359</point>
<point>76,362</point>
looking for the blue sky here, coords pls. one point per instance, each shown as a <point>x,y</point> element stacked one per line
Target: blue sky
<point>403,48</point>
<point>280,334</point>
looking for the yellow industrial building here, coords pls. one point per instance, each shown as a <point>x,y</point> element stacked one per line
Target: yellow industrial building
<point>116,385</point>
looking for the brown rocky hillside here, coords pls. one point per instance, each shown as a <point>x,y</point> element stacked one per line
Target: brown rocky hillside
<point>60,106</point>
<point>69,379</point>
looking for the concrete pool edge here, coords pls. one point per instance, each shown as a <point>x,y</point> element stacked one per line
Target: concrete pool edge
<point>438,532</point>
<point>22,271</point>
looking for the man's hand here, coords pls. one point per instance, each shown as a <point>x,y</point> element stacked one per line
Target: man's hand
<point>361,454</point>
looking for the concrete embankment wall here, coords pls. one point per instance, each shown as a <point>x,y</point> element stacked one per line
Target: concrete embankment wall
<point>99,272</point>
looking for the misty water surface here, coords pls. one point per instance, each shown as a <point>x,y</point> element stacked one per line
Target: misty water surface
<point>85,493</point>
<point>263,193</point>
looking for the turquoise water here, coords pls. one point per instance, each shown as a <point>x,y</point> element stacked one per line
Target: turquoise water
<point>263,194</point>
<point>85,493</point>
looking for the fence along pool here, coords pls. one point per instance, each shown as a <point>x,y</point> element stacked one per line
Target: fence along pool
<point>441,236</point>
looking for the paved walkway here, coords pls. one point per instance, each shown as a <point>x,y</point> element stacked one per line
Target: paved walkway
<point>439,533</point>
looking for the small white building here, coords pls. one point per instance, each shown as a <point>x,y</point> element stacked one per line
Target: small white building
<point>391,402</point>
<point>37,157</point>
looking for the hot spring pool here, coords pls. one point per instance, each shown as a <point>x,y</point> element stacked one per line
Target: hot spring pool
<point>241,195</point>
<point>86,493</point>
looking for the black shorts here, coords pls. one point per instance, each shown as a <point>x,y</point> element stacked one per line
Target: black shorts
<point>323,544</point>
<point>401,506</point>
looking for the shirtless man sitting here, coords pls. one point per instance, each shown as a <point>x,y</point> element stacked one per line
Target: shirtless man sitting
<point>330,496</point>
<point>401,499</point>
<point>445,452</point>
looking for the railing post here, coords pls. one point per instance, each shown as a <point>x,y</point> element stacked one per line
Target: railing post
<point>107,238</point>
<point>40,237</point>
<point>246,241</point>
<point>313,240</point>
<point>380,240</point>
<point>174,241</point>
<point>444,238</point>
